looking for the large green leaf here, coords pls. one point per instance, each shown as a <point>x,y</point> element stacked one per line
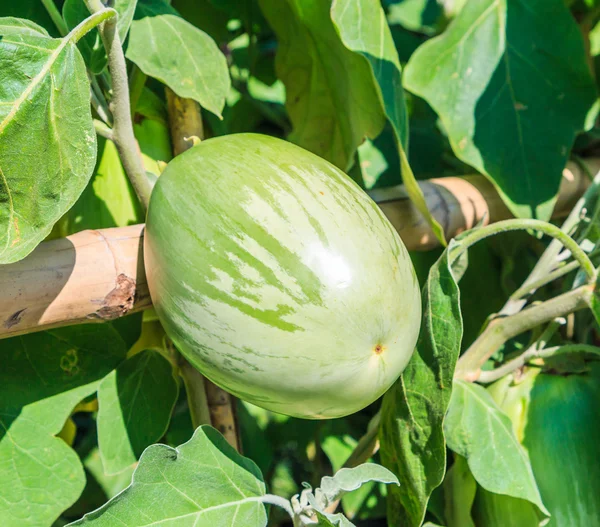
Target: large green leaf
<point>180,55</point>
<point>74,11</point>
<point>108,200</point>
<point>203,482</point>
<point>135,404</point>
<point>10,25</point>
<point>43,376</point>
<point>412,437</point>
<point>479,431</point>
<point>332,100</point>
<point>47,139</point>
<point>512,87</point>
<point>355,21</point>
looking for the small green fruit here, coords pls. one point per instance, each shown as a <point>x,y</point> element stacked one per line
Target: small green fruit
<point>278,278</point>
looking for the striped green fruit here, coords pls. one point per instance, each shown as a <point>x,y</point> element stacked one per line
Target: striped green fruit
<point>278,278</point>
<point>557,419</point>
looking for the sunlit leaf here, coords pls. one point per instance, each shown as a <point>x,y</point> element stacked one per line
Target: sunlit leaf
<point>502,73</point>
<point>172,50</point>
<point>203,482</point>
<point>332,100</point>
<point>47,139</point>
<point>478,430</point>
<point>412,437</point>
<point>355,21</point>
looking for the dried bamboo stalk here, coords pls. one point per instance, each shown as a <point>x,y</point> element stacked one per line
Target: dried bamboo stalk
<point>99,275</point>
<point>88,277</point>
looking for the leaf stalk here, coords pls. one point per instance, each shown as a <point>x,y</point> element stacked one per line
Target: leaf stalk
<point>123,136</point>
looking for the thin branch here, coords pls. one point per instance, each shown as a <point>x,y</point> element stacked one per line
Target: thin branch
<point>490,376</point>
<point>502,329</point>
<point>123,127</point>
<point>531,287</point>
<point>547,262</point>
<point>103,130</point>
<point>555,232</point>
<point>56,17</point>
<point>195,390</point>
<point>99,101</point>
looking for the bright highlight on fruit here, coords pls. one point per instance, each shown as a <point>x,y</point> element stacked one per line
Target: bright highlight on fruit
<point>278,278</point>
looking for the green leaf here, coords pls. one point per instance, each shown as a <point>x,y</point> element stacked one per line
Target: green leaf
<point>111,485</point>
<point>459,493</point>
<point>349,479</point>
<point>108,200</point>
<point>354,21</point>
<point>413,410</point>
<point>203,482</point>
<point>32,11</point>
<point>512,87</point>
<point>11,25</point>
<point>75,11</point>
<point>332,100</point>
<point>43,376</point>
<point>47,139</point>
<point>135,405</point>
<point>479,431</point>
<point>178,54</point>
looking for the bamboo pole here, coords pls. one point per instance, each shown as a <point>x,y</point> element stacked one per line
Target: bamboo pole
<point>98,275</point>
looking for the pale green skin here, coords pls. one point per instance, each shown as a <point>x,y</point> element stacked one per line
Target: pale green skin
<point>278,277</point>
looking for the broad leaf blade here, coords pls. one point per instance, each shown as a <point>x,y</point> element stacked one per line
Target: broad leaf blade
<point>479,431</point>
<point>108,200</point>
<point>10,25</point>
<point>412,437</point>
<point>331,98</point>
<point>501,73</point>
<point>43,376</point>
<point>178,54</point>
<point>47,139</point>
<point>203,482</point>
<point>135,404</point>
<point>363,29</point>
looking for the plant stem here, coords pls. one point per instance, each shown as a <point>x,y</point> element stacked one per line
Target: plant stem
<point>103,130</point>
<point>522,224</point>
<point>98,18</point>
<point>520,361</point>
<point>123,127</point>
<point>547,262</point>
<point>502,329</point>
<point>99,101</point>
<point>271,499</point>
<point>194,388</point>
<point>56,17</point>
<point>366,447</point>
<point>530,287</point>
